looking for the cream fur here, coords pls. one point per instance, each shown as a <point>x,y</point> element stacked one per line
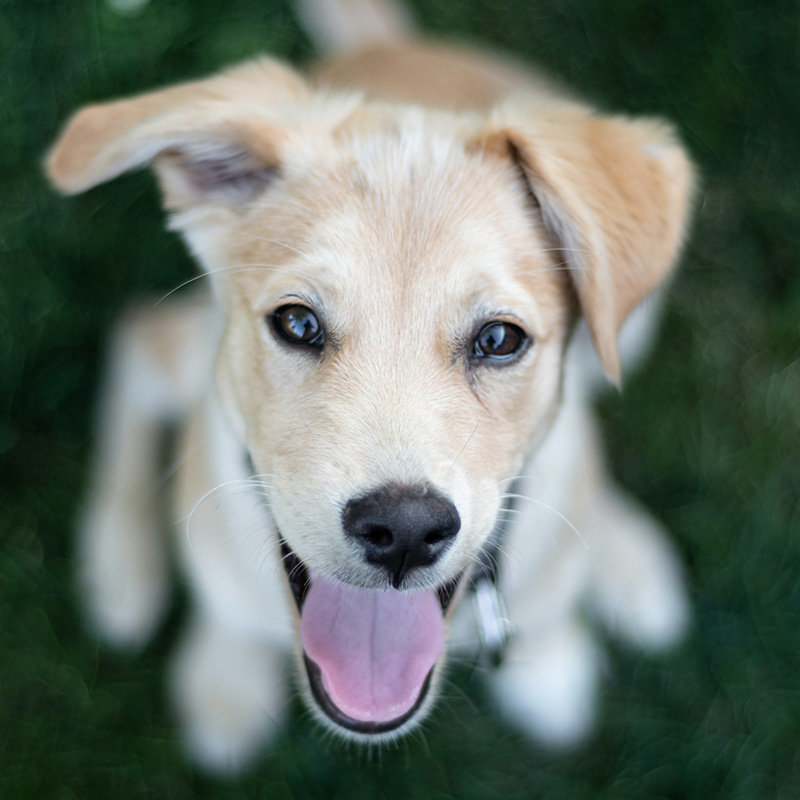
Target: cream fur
<point>406,212</point>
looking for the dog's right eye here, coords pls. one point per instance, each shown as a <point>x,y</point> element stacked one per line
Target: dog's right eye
<point>499,341</point>
<point>298,324</point>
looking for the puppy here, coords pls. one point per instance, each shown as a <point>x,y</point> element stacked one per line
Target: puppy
<point>383,406</point>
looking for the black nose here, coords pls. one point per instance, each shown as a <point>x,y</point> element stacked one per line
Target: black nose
<point>401,527</point>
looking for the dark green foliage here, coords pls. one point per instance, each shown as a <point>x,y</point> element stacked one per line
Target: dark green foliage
<point>708,433</point>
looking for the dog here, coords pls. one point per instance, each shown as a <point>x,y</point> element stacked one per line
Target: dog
<point>420,259</point>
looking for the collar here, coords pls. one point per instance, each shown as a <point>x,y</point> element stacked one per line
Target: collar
<point>490,611</point>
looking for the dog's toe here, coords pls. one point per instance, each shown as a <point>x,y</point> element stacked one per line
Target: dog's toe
<point>547,686</point>
<point>230,691</point>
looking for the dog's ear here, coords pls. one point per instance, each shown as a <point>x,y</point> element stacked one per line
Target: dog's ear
<point>217,140</point>
<point>614,195</point>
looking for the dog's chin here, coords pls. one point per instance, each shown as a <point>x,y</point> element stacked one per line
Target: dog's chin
<point>370,658</point>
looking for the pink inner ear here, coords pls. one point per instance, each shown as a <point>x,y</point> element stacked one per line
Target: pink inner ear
<point>218,170</point>
<point>235,170</point>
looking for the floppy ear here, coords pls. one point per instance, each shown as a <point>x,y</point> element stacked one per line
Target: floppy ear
<point>216,140</point>
<point>614,195</point>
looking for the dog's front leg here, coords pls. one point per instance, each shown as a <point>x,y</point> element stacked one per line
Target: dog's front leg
<point>230,676</point>
<point>579,550</point>
<point>547,682</point>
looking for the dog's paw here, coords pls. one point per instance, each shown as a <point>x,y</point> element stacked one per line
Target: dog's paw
<point>230,692</point>
<point>637,588</point>
<point>123,574</point>
<point>547,686</point>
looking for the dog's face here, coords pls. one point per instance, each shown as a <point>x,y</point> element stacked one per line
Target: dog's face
<point>398,286</point>
<point>393,345</point>
<point>401,332</point>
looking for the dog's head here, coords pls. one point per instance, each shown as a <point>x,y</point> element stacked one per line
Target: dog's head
<point>398,286</point>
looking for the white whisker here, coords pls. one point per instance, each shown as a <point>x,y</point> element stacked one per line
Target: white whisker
<point>278,242</point>
<point>469,439</point>
<point>244,267</point>
<point>561,516</point>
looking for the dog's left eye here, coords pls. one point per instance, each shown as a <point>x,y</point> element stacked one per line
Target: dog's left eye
<point>499,341</point>
<point>298,324</point>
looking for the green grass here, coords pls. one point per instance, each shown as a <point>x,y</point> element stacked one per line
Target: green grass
<point>708,434</point>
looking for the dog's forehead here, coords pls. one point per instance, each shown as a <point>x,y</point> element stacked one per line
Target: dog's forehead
<point>383,213</point>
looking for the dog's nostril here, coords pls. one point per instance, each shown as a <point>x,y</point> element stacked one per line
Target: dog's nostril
<point>379,536</point>
<point>401,527</point>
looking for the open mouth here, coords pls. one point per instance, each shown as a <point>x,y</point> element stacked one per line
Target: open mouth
<point>369,654</point>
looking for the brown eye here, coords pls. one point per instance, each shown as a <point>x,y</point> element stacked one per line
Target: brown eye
<point>499,341</point>
<point>298,324</point>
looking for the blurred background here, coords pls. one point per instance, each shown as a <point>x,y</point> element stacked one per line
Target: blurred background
<point>707,434</point>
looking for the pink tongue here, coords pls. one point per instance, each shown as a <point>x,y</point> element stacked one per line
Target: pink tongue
<point>374,648</point>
